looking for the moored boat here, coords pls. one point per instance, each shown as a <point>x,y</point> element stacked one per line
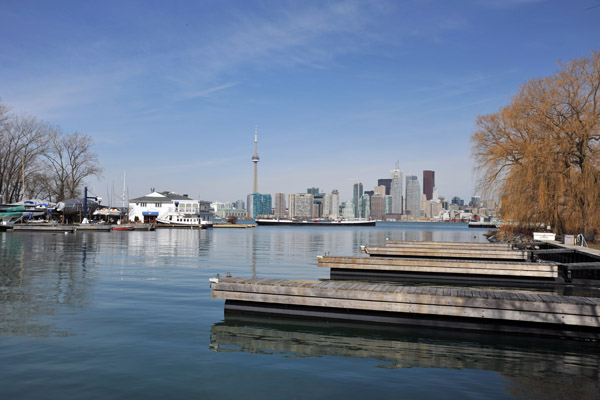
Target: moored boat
<point>314,222</point>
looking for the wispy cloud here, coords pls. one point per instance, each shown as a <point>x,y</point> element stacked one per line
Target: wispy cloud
<point>207,92</point>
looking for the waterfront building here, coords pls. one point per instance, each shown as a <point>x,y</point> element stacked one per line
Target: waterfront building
<point>396,191</point>
<point>326,205</point>
<point>300,205</point>
<point>413,196</point>
<point>279,209</point>
<point>428,184</point>
<point>377,206</point>
<point>259,204</point>
<point>225,213</point>
<point>357,192</point>
<point>387,183</point>
<point>158,207</point>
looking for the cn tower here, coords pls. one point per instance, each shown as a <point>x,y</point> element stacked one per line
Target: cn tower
<point>255,159</point>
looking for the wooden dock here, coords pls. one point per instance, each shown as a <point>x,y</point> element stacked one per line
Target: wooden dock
<point>43,228</point>
<point>234,226</point>
<point>435,250</point>
<point>459,308</point>
<point>406,268</point>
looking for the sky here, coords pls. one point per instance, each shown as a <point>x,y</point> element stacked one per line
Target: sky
<point>340,91</point>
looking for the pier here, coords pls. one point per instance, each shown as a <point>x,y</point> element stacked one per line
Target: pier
<point>493,310</point>
<point>438,269</point>
<point>445,250</point>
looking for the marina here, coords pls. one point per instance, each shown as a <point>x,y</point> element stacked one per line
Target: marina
<point>131,315</point>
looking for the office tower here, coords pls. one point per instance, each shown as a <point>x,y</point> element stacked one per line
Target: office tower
<point>396,191</point>
<point>239,204</point>
<point>255,159</point>
<point>387,182</point>
<point>428,183</point>
<point>364,206</point>
<point>388,204</point>
<point>280,205</point>
<point>413,196</point>
<point>475,202</point>
<point>326,205</point>
<point>301,205</point>
<point>334,208</point>
<point>379,190</point>
<point>356,194</point>
<point>313,190</point>
<point>349,210</point>
<point>377,206</point>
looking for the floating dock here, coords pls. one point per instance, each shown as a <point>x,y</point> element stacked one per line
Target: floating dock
<point>233,226</point>
<point>435,250</point>
<point>458,308</point>
<point>437,269</point>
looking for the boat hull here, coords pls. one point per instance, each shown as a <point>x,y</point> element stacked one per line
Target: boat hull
<point>274,222</point>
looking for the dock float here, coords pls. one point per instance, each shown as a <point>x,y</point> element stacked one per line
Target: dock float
<point>443,307</point>
<point>406,268</point>
<point>433,250</point>
<point>42,228</point>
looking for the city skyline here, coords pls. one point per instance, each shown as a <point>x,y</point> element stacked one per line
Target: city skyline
<point>171,93</point>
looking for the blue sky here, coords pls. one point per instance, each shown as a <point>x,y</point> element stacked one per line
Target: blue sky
<point>340,90</point>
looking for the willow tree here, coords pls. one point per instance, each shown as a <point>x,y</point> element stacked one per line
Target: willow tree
<point>540,154</point>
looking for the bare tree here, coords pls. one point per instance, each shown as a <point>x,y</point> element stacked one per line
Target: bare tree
<point>70,160</point>
<point>21,140</point>
<point>541,153</point>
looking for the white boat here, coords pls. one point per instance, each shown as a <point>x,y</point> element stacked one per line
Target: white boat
<point>314,222</point>
<point>184,220</point>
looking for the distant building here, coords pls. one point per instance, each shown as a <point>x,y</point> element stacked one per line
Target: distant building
<point>388,204</point>
<point>396,191</point>
<point>475,202</point>
<point>377,206</point>
<point>457,201</point>
<point>387,183</point>
<point>428,183</point>
<point>364,206</point>
<point>357,192</point>
<point>300,205</point>
<point>334,208</point>
<point>413,196</point>
<point>314,191</point>
<point>279,209</point>
<point>349,210</point>
<point>259,204</point>
<point>240,205</point>
<point>379,190</point>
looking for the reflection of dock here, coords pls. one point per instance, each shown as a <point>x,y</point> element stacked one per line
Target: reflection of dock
<point>458,308</point>
<point>406,347</point>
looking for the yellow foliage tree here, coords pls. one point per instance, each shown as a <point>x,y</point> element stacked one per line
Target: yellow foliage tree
<point>540,155</point>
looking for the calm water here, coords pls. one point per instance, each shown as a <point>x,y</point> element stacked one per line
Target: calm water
<point>129,315</point>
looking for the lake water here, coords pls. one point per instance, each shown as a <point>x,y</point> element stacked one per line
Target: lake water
<point>111,315</point>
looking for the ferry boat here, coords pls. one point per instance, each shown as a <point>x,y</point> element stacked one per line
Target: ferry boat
<point>314,222</point>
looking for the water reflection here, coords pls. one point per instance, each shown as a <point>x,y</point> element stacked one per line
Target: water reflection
<point>533,365</point>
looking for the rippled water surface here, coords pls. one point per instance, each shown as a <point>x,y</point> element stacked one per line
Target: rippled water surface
<point>129,315</point>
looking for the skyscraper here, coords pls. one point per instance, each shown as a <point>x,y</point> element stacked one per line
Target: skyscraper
<point>356,194</point>
<point>413,196</point>
<point>334,208</point>
<point>387,182</point>
<point>280,205</point>
<point>396,190</point>
<point>428,183</point>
